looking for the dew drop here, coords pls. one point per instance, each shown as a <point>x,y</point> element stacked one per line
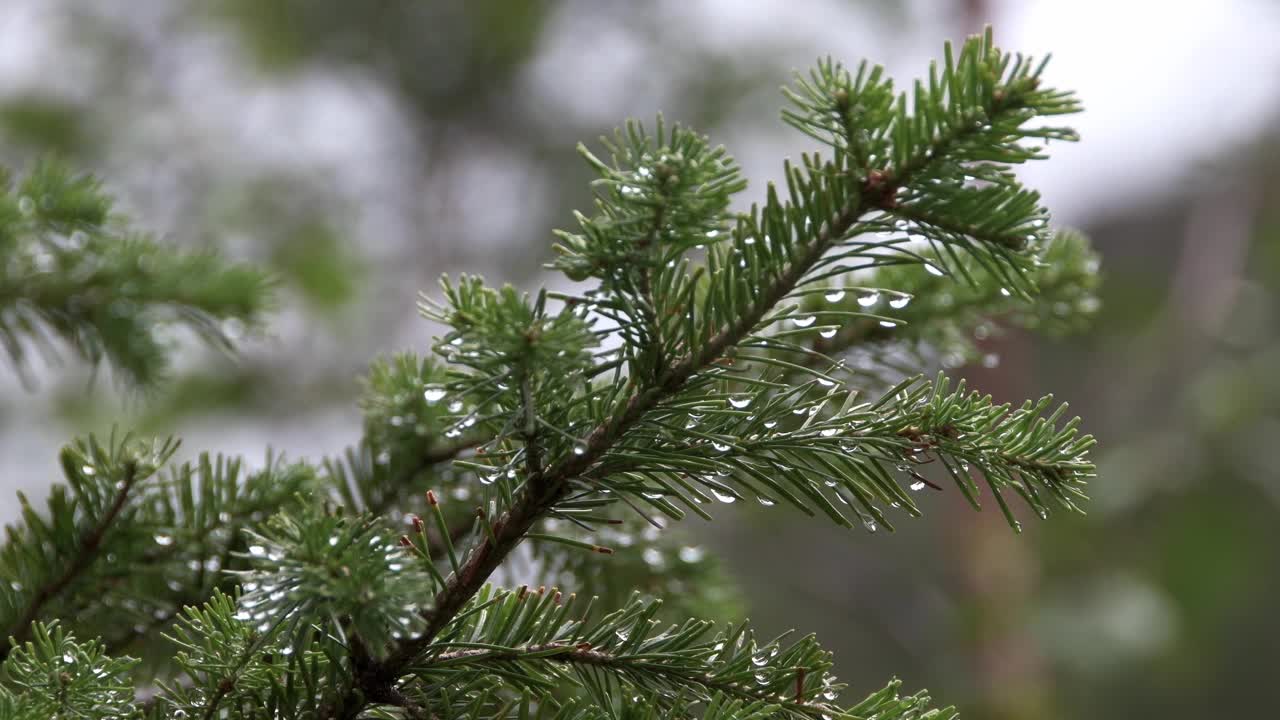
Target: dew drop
<point>829,432</point>
<point>765,501</point>
<point>163,539</point>
<point>762,678</point>
<point>257,550</point>
<point>396,421</point>
<point>804,322</point>
<point>723,497</point>
<point>770,424</point>
<point>286,650</point>
<point>691,553</point>
<point>434,394</point>
<point>579,448</point>
<point>740,402</point>
<point>455,406</point>
<point>26,205</point>
<point>1005,292</point>
<point>900,302</point>
<point>89,470</point>
<point>868,299</point>
<point>869,524</point>
<point>67,657</point>
<point>834,296</point>
<point>917,486</point>
<point>888,323</point>
<point>719,447</point>
<point>990,360</point>
<point>828,333</point>
<point>934,269</point>
<point>233,328</point>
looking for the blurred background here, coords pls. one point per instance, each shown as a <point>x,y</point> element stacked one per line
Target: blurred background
<point>362,149</point>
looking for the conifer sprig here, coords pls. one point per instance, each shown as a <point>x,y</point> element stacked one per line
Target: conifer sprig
<point>701,365</point>
<point>75,274</point>
<point>972,120</point>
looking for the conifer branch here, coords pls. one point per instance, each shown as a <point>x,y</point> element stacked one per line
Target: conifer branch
<point>545,489</point>
<point>89,544</point>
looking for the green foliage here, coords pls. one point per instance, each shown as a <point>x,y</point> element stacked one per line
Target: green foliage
<point>54,676</point>
<point>76,274</point>
<point>557,437</point>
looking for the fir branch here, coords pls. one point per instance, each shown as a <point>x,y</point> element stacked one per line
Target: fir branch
<point>87,551</point>
<point>543,490</point>
<point>76,273</point>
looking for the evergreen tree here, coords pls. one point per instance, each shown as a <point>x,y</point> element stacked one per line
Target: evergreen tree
<point>710,356</point>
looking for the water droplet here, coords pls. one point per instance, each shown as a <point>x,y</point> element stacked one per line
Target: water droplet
<point>257,550</point>
<point>455,406</point>
<point>26,205</point>
<point>828,333</point>
<point>899,302</point>
<point>834,296</point>
<point>489,479</point>
<point>829,695</point>
<point>719,447</point>
<point>829,432</point>
<point>286,650</point>
<point>434,394</point>
<point>741,401</point>
<point>765,501</point>
<point>233,328</point>
<point>89,470</point>
<point>67,657</point>
<point>333,541</point>
<point>868,299</point>
<point>934,269</point>
<point>917,486</point>
<point>990,360</point>
<point>163,539</point>
<point>723,496</point>
<point>396,421</point>
<point>889,323</point>
<point>770,424</point>
<point>762,678</point>
<point>1005,292</point>
<point>622,634</point>
<point>653,557</point>
<point>691,553</point>
<point>804,322</point>
<point>869,524</point>
<point>579,448</point>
